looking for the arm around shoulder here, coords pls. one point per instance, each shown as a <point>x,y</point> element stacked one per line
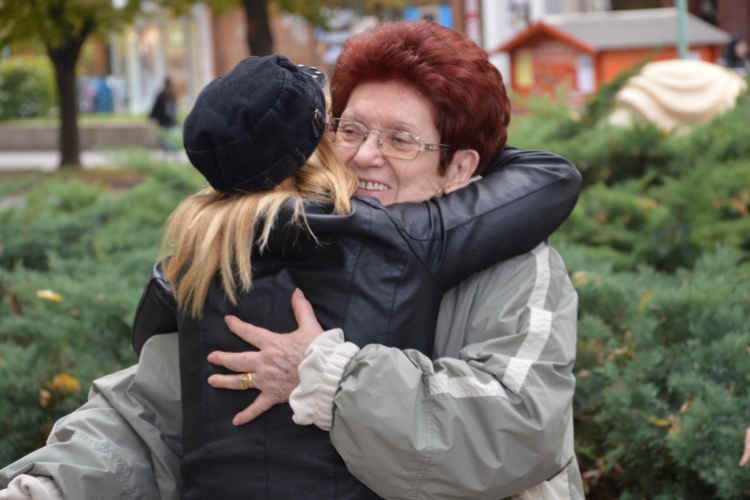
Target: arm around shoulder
<point>518,203</point>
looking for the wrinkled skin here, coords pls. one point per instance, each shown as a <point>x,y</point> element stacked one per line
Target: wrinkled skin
<point>274,366</point>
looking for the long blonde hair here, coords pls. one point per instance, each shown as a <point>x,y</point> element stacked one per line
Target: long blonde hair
<point>210,233</point>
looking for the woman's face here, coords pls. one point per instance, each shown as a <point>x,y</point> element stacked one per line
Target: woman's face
<point>741,49</point>
<point>393,105</point>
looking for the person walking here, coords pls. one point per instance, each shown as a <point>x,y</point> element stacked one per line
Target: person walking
<point>164,112</point>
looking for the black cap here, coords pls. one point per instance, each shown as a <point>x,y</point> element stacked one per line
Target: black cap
<point>258,124</point>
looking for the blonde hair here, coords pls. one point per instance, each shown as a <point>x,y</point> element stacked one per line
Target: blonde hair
<point>210,232</point>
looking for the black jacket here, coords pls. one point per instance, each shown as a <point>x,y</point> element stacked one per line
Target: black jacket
<point>378,273</point>
<point>164,110</point>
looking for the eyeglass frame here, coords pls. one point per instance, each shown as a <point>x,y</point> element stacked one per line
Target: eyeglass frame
<point>423,146</point>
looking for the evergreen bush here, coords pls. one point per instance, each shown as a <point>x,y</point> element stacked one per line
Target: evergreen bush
<point>27,88</point>
<point>662,396</point>
<point>73,263</point>
<point>658,249</point>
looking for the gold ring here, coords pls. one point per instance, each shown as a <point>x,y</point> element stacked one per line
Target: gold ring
<point>246,381</point>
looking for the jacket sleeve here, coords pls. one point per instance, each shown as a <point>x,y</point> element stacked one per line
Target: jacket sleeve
<point>156,312</point>
<point>126,441</point>
<point>521,200</point>
<point>492,421</point>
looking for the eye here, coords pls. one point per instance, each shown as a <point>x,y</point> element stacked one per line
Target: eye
<point>401,140</point>
<point>349,129</point>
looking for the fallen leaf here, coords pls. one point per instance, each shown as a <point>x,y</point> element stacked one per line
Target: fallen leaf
<point>676,425</point>
<point>659,422</point>
<point>647,204</point>
<point>44,397</point>
<point>65,383</point>
<point>49,295</point>
<point>674,429</point>
<point>739,206</point>
<point>582,277</point>
<point>644,298</point>
<point>687,404</point>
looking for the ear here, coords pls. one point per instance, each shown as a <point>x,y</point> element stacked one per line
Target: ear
<point>460,169</point>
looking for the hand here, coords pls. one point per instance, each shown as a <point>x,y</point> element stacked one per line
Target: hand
<point>274,366</point>
<point>746,454</point>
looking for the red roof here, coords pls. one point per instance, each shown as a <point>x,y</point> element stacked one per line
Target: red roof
<point>542,28</point>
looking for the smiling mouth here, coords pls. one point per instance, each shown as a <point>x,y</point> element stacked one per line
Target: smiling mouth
<point>373,186</point>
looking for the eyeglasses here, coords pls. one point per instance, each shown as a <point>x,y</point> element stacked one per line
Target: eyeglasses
<point>393,143</point>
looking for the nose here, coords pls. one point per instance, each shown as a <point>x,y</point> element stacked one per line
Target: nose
<point>368,155</point>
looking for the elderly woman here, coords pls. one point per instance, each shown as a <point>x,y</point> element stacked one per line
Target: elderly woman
<point>488,416</point>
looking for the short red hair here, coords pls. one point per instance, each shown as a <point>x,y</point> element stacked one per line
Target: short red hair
<point>470,106</point>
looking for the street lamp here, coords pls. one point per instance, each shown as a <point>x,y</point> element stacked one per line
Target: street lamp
<point>682,32</point>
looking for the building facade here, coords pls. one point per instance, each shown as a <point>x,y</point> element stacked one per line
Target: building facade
<point>192,50</point>
<point>584,51</point>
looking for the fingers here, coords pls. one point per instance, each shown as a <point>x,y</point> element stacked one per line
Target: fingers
<point>226,382</point>
<point>304,312</point>
<point>249,333</point>
<point>241,362</point>
<point>262,404</point>
<point>746,454</point>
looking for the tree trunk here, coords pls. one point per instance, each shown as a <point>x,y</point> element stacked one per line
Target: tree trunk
<point>259,37</point>
<point>64,60</point>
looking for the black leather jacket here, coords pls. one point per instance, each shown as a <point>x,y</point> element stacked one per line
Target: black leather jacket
<point>378,273</point>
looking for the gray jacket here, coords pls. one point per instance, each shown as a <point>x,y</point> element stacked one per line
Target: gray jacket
<point>489,417</point>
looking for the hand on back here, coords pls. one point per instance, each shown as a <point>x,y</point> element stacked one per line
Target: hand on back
<point>273,369</point>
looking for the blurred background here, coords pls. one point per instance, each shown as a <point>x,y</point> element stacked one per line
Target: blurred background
<point>647,97</point>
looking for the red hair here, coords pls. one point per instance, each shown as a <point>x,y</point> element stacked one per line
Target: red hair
<point>470,107</point>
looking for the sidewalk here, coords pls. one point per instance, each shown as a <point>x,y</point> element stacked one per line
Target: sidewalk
<point>48,161</point>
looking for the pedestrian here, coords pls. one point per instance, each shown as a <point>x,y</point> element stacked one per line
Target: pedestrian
<point>736,56</point>
<point>165,114</point>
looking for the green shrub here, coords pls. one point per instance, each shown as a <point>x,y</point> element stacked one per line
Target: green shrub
<point>610,154</point>
<point>662,397</point>
<point>73,263</point>
<point>662,400</point>
<point>663,221</point>
<point>27,88</point>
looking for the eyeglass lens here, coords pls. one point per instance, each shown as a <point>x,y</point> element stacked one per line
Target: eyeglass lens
<point>394,143</point>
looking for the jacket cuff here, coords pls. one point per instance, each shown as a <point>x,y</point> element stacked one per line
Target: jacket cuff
<point>319,376</point>
<point>25,487</point>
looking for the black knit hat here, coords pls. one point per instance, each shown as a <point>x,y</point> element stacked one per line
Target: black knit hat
<point>258,124</point>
